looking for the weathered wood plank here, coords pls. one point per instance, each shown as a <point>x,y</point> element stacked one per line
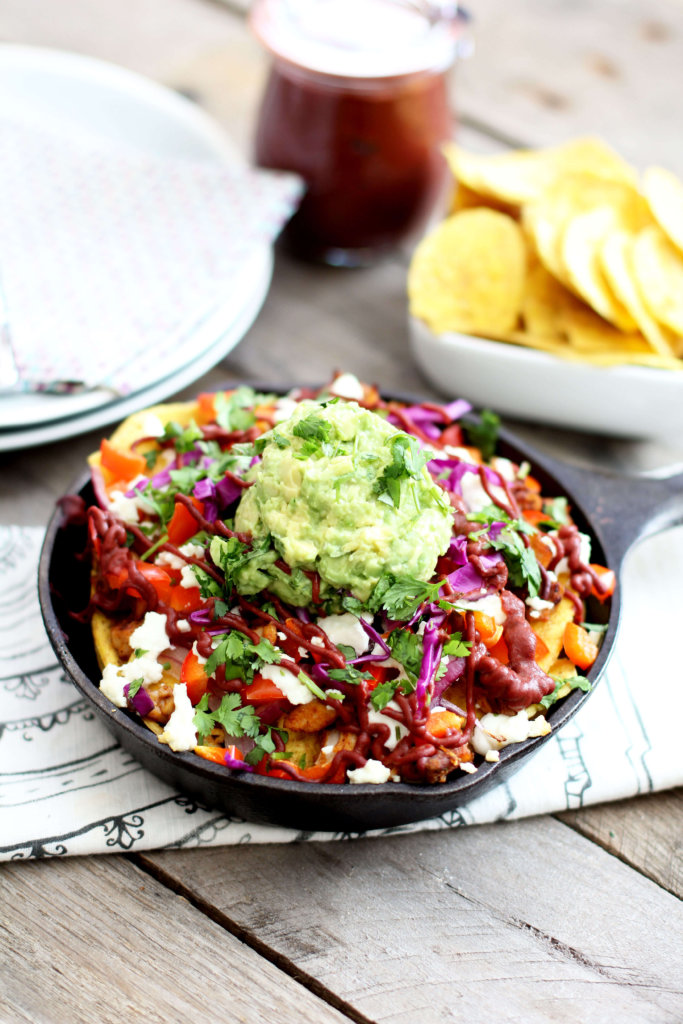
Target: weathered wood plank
<point>98,940</point>
<point>543,72</point>
<point>442,926</point>
<point>645,833</point>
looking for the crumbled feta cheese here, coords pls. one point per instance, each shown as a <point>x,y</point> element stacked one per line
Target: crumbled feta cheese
<point>459,453</point>
<point>467,766</point>
<point>284,407</point>
<point>503,466</point>
<point>537,606</point>
<point>372,771</point>
<point>169,559</point>
<point>474,494</point>
<point>493,732</point>
<point>151,634</point>
<point>294,691</point>
<point>492,755</point>
<point>150,637</point>
<point>180,733</point>
<point>188,580</point>
<point>397,730</point>
<point>347,386</point>
<point>200,659</point>
<point>489,604</point>
<point>191,550</point>
<point>345,629</point>
<point>151,425</point>
<point>331,741</point>
<point>123,507</point>
<point>183,626</point>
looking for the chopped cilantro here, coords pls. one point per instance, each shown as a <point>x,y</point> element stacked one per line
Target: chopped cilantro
<point>407,648</point>
<point>558,510</point>
<point>236,411</point>
<point>521,561</point>
<point>407,462</point>
<point>134,687</point>
<point>573,682</point>
<point>383,694</point>
<point>456,646</point>
<point>240,657</point>
<point>138,652</point>
<point>348,652</point>
<point>401,596</point>
<point>348,675</point>
<point>484,434</point>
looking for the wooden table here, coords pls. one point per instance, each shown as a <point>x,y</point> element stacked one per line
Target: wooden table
<point>573,917</point>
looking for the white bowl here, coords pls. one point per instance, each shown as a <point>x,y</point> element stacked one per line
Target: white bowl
<point>620,401</point>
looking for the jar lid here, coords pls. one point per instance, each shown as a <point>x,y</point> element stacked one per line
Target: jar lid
<point>361,38</point>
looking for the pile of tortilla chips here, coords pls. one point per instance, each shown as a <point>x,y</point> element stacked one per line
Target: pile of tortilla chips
<point>560,249</point>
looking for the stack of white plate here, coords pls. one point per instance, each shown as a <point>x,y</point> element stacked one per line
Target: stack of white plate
<point>118,105</point>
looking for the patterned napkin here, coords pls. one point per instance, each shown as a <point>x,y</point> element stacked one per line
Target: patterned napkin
<point>128,254</point>
<point>66,787</point>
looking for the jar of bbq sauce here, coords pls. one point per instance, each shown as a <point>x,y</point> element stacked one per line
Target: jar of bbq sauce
<point>356,102</point>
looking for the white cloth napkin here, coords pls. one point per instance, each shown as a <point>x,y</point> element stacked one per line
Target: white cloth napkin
<point>128,254</point>
<point>66,787</point>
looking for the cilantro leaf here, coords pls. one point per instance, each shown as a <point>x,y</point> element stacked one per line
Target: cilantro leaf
<point>407,462</point>
<point>484,434</point>
<point>349,675</point>
<point>383,694</point>
<point>407,648</point>
<point>133,688</point>
<point>573,682</point>
<point>401,596</point>
<point>236,411</point>
<point>456,646</point>
<point>203,720</point>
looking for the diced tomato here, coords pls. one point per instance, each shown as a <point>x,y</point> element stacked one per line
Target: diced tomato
<point>195,678</point>
<point>452,435</point>
<point>183,524</point>
<point>120,465</point>
<point>380,674</point>
<point>608,582</point>
<point>155,574</point>
<point>579,646</point>
<point>261,690</point>
<point>186,599</point>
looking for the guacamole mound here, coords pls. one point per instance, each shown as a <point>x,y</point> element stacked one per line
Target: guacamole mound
<point>341,491</point>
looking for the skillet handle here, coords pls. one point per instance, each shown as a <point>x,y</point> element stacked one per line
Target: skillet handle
<point>624,509</point>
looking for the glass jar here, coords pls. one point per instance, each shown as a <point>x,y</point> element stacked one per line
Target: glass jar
<point>357,103</point>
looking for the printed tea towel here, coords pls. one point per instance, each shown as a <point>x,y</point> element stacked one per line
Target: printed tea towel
<point>129,254</point>
<point>66,787</point>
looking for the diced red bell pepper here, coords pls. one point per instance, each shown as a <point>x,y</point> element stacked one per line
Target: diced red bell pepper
<point>261,690</point>
<point>183,525</point>
<point>195,678</point>
<point>121,465</point>
<point>155,574</point>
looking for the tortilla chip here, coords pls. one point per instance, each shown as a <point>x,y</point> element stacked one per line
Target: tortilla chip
<point>468,274</point>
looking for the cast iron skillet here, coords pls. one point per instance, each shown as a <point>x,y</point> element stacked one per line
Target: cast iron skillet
<point>615,510</point>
